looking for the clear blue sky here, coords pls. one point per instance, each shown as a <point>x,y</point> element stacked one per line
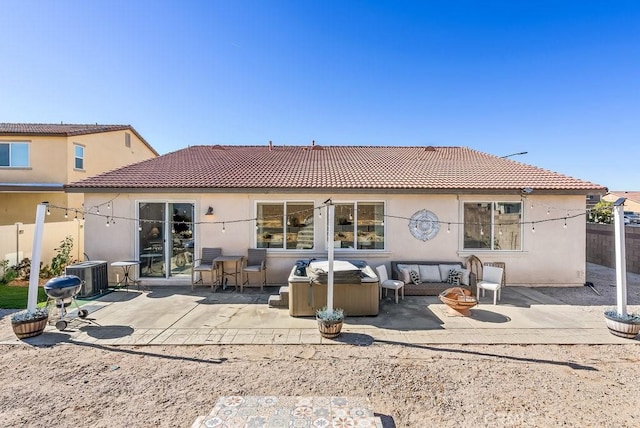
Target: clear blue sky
<point>559,79</point>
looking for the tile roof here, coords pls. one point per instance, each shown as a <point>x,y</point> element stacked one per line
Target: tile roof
<point>632,196</point>
<point>64,130</point>
<point>428,169</point>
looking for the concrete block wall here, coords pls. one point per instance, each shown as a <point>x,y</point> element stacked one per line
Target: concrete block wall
<point>601,246</point>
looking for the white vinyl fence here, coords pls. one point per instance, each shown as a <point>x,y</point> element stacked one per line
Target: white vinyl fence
<point>16,241</point>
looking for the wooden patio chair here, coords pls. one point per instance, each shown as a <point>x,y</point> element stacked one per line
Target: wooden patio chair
<point>206,264</point>
<point>256,262</point>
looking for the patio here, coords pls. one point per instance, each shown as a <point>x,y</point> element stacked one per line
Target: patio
<point>173,315</point>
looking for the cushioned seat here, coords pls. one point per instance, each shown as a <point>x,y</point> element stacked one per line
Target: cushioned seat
<point>386,283</point>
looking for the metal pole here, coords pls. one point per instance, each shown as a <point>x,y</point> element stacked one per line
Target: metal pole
<point>330,218</point>
<point>621,261</point>
<point>18,243</point>
<point>36,254</point>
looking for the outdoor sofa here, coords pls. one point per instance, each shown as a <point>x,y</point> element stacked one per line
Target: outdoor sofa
<point>433,276</point>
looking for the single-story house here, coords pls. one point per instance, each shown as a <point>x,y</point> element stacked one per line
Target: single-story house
<point>391,203</point>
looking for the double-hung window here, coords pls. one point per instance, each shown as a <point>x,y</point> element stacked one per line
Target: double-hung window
<point>493,226</point>
<point>14,154</point>
<point>78,156</point>
<point>285,225</point>
<point>359,226</point>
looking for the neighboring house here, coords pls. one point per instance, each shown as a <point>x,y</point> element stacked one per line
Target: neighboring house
<point>465,203</point>
<point>37,160</point>
<point>631,204</point>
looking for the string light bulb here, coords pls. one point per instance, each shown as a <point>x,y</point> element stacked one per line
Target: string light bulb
<point>107,221</point>
<point>48,211</point>
<point>565,223</point>
<point>448,227</point>
<point>98,210</point>
<point>533,227</point>
<point>66,213</point>
<point>223,228</point>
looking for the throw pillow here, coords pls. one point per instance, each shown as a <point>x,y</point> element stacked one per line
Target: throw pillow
<point>464,280</point>
<point>415,278</point>
<point>454,277</point>
<point>405,276</point>
<point>444,270</point>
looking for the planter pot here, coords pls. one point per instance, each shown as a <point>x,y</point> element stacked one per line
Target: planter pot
<point>627,328</point>
<point>329,329</point>
<point>29,328</point>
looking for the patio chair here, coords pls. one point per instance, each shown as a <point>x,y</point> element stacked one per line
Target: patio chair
<point>389,284</point>
<point>256,263</point>
<point>206,264</point>
<point>491,280</point>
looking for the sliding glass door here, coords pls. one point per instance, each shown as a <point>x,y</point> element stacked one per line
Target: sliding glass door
<point>165,239</point>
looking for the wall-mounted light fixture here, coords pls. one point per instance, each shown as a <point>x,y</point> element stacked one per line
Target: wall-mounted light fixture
<point>209,211</point>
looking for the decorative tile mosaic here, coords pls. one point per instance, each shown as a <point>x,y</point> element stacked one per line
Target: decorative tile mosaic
<point>290,412</point>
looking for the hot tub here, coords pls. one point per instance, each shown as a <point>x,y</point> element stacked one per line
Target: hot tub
<point>358,294</point>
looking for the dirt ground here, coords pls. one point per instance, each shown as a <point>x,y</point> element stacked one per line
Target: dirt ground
<point>78,384</point>
<point>415,386</point>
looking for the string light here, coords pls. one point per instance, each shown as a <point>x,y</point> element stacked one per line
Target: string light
<point>565,223</point>
<point>533,227</point>
<point>48,211</point>
<point>107,221</point>
<point>223,228</point>
<point>111,218</point>
<point>66,213</point>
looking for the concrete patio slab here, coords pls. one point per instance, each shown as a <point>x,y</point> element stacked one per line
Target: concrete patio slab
<point>168,316</point>
<point>174,315</point>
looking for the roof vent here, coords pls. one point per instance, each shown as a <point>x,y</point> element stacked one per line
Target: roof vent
<point>429,149</point>
<point>270,145</point>
<point>314,147</point>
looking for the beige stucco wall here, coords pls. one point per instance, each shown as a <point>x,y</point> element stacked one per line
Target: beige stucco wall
<point>105,151</point>
<point>52,161</point>
<point>47,161</point>
<point>553,255</point>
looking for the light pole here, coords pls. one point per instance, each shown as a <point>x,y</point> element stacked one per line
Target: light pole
<point>514,154</point>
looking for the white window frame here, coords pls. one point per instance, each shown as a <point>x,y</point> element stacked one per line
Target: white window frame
<point>355,226</point>
<point>76,157</point>
<point>492,229</point>
<point>285,215</point>
<point>11,145</point>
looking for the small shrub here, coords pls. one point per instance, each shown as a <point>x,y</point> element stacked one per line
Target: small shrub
<point>62,259</point>
<point>336,315</point>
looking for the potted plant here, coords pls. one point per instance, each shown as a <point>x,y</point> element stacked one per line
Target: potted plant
<point>622,324</point>
<point>29,323</point>
<point>619,322</point>
<point>330,322</point>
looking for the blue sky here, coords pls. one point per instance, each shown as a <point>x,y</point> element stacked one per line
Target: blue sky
<point>558,79</point>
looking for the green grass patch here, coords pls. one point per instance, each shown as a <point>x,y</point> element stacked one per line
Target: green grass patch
<point>12,297</point>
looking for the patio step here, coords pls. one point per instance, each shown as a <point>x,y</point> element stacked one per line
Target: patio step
<point>280,300</point>
<point>240,411</point>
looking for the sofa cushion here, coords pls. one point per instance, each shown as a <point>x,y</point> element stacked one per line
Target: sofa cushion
<point>444,271</point>
<point>464,278</point>
<point>415,277</point>
<point>430,273</point>
<point>405,276</point>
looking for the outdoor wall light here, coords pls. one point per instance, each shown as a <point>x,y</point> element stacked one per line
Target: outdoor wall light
<point>209,211</point>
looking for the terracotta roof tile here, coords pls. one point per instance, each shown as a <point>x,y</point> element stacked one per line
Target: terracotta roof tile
<point>333,167</point>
